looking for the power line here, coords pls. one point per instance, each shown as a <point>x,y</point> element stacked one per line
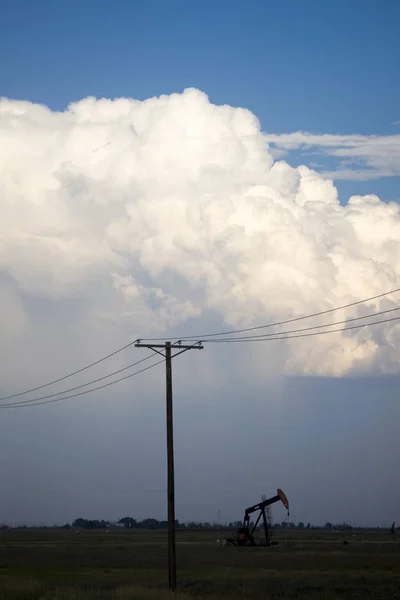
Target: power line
<point>42,400</point>
<point>275,333</point>
<point>292,337</point>
<point>40,387</point>
<point>316,314</point>
<point>99,387</point>
<point>212,335</point>
<point>78,387</point>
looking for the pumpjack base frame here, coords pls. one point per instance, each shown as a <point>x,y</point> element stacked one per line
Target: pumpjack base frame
<point>258,543</point>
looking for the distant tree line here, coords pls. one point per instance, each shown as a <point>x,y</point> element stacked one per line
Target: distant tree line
<point>338,527</point>
<point>130,523</point>
<point>329,526</point>
<point>126,522</point>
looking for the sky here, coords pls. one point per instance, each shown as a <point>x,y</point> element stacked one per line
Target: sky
<point>171,169</point>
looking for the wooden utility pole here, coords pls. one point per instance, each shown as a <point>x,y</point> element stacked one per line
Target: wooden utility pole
<point>171,471</point>
<point>168,347</point>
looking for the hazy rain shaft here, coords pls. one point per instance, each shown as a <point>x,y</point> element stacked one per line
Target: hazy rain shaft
<point>159,213</point>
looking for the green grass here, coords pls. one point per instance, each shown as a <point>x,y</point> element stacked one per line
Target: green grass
<point>119,565</point>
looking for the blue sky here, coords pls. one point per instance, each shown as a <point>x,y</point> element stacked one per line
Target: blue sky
<point>322,67</point>
<point>312,66</point>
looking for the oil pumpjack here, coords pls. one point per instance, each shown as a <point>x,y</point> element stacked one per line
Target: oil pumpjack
<point>245,535</point>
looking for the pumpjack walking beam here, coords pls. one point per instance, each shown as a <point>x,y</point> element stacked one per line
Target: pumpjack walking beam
<point>168,347</point>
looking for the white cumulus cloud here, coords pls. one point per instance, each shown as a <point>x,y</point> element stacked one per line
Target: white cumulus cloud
<point>138,216</point>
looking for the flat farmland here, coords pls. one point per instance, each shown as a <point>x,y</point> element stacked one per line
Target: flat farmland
<point>126,565</point>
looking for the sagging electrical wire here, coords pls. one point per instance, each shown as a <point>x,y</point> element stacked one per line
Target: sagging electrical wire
<point>99,387</point>
<point>290,331</point>
<point>78,387</point>
<point>206,336</point>
<point>277,323</point>
<point>40,387</point>
<point>250,339</point>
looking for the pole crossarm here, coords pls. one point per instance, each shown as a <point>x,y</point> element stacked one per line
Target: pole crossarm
<point>176,345</point>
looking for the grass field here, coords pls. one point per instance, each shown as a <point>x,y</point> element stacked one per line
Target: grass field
<point>119,565</point>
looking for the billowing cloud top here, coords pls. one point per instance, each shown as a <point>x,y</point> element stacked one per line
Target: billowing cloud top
<point>149,214</point>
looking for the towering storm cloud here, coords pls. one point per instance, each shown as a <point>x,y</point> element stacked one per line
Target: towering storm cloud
<point>169,212</point>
